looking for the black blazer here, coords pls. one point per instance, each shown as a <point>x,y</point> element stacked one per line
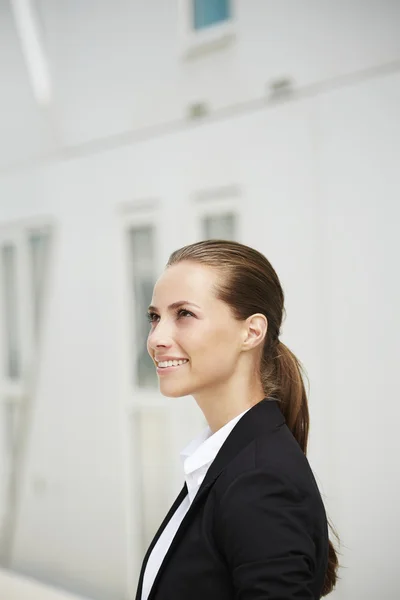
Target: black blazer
<point>257,528</point>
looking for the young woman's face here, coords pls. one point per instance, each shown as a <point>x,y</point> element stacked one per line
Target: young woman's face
<point>201,330</point>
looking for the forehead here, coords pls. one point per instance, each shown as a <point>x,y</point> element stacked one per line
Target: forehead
<point>185,281</point>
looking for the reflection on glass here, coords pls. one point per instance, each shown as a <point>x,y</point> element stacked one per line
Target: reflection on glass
<point>222,227</point>
<point>10,315</point>
<point>39,250</point>
<point>143,279</point>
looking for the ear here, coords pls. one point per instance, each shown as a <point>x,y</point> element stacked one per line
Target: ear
<point>256,327</point>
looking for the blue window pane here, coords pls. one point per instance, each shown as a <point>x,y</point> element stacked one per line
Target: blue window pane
<point>209,12</point>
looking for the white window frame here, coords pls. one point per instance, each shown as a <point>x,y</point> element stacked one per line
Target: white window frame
<point>19,392</point>
<point>194,42</point>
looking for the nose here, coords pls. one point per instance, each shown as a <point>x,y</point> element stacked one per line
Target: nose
<point>160,337</point>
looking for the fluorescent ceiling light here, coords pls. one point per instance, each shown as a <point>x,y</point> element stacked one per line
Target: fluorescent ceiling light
<point>32,49</point>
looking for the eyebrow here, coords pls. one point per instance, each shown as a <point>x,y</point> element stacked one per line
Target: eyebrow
<point>174,305</point>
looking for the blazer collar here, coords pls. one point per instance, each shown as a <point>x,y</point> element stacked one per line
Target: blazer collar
<point>263,418</point>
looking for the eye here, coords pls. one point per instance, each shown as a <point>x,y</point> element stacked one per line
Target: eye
<point>151,316</point>
<point>187,312</point>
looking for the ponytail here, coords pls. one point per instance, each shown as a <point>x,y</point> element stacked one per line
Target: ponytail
<point>283,377</point>
<point>289,374</point>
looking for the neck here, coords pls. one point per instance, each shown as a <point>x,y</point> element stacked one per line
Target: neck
<point>221,406</point>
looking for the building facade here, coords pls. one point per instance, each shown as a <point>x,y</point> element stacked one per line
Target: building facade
<point>136,129</point>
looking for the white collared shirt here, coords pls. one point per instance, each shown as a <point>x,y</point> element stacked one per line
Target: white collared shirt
<point>196,458</point>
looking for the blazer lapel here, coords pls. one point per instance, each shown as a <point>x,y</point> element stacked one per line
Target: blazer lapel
<point>163,525</point>
<point>195,505</point>
<point>261,419</point>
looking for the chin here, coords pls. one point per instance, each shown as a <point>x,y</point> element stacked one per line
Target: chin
<point>173,392</point>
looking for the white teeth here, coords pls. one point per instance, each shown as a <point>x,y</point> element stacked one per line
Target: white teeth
<point>172,363</point>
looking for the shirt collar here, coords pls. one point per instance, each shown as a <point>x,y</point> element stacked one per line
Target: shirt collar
<point>198,455</point>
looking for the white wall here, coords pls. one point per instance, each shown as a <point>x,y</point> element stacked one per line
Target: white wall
<point>359,166</point>
<point>318,182</point>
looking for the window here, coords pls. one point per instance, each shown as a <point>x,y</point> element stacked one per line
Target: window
<point>210,12</point>
<point>217,212</point>
<point>222,226</point>
<point>142,259</point>
<point>39,242</point>
<point>12,366</point>
<point>205,25</point>
<point>23,265</point>
<point>24,254</point>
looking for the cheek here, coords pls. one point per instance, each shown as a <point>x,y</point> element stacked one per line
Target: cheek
<point>149,348</point>
<point>214,349</point>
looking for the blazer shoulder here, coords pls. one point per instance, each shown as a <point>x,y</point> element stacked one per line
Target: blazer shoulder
<point>269,521</point>
<point>278,454</point>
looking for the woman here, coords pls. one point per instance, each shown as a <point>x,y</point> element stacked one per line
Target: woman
<point>249,522</point>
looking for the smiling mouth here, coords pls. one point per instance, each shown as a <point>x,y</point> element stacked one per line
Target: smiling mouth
<point>168,367</point>
<point>165,364</point>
